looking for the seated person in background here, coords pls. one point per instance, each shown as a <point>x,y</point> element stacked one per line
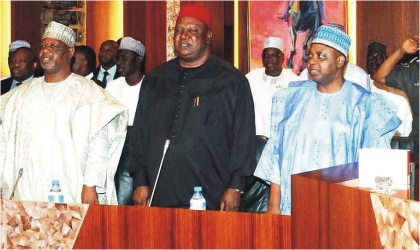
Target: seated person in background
<point>84,61</point>
<point>22,64</point>
<point>352,72</point>
<point>321,122</point>
<point>404,78</point>
<point>375,57</point>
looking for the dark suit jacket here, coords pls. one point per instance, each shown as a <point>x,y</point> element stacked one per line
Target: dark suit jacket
<point>6,84</point>
<point>99,82</point>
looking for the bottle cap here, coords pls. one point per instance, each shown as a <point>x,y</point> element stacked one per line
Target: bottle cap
<point>197,189</point>
<point>55,182</point>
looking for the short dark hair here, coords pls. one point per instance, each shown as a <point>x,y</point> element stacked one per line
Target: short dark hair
<point>89,54</point>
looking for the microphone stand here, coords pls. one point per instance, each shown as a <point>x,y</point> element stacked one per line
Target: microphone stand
<point>16,182</point>
<point>165,148</point>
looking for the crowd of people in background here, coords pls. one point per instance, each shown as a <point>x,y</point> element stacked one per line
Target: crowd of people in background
<point>113,134</point>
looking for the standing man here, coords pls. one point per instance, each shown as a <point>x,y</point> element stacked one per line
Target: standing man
<point>60,127</point>
<point>404,78</point>
<point>321,122</point>
<point>107,70</point>
<point>352,72</point>
<point>84,61</point>
<point>12,47</point>
<point>266,81</point>
<point>22,66</point>
<point>126,90</point>
<point>375,57</point>
<point>204,107</point>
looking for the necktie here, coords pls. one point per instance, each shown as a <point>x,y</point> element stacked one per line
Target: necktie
<point>104,79</point>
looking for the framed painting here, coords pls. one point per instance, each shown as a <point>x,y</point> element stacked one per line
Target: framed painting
<point>69,13</point>
<point>295,22</point>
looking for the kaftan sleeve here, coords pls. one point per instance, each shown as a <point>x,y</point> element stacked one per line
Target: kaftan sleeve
<point>381,122</point>
<point>96,161</point>
<point>268,166</point>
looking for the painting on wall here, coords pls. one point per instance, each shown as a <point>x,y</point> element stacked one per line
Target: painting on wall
<point>69,13</point>
<point>295,22</point>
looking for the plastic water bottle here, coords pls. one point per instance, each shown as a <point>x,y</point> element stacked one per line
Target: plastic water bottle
<point>55,195</point>
<point>197,201</point>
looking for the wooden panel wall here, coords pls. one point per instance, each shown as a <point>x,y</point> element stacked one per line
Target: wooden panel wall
<point>97,19</point>
<point>26,22</point>
<point>146,21</point>
<point>387,22</point>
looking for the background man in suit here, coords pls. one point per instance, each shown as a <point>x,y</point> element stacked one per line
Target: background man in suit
<point>107,69</point>
<point>12,47</point>
<point>22,66</point>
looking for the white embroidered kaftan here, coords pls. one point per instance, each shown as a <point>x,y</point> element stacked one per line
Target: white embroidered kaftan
<point>76,136</point>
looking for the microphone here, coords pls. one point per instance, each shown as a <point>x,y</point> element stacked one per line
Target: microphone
<point>16,182</point>
<point>165,148</point>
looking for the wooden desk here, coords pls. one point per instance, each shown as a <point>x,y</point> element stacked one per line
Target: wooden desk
<point>140,227</point>
<point>326,214</point>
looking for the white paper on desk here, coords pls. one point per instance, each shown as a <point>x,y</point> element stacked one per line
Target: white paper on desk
<point>392,163</point>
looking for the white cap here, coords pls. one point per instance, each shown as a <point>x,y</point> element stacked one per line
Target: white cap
<point>133,45</point>
<point>18,44</point>
<point>273,42</point>
<point>60,32</point>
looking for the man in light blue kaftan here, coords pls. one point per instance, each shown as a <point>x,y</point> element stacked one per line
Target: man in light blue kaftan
<point>321,122</point>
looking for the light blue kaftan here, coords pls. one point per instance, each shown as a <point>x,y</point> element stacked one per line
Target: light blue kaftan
<point>312,130</point>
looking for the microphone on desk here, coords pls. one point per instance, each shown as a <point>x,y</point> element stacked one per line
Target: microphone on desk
<point>16,182</point>
<point>165,148</point>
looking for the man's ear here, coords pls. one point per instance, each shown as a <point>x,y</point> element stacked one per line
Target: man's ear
<point>71,52</point>
<point>34,65</point>
<point>340,61</point>
<point>209,36</point>
<point>139,59</point>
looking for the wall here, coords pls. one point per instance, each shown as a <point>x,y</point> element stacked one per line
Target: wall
<point>389,22</point>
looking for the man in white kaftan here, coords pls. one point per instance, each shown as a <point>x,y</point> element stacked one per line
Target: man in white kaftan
<point>68,129</point>
<point>265,81</point>
<point>126,89</point>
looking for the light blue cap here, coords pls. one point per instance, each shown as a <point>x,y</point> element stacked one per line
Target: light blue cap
<point>333,37</point>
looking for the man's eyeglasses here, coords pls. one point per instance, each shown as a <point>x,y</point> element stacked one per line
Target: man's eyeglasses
<point>265,55</point>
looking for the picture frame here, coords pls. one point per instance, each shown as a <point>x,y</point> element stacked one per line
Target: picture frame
<point>295,22</point>
<point>69,13</point>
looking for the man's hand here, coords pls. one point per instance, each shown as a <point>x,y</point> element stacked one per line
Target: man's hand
<point>141,196</point>
<point>89,195</point>
<point>230,200</point>
<point>273,209</point>
<point>411,46</point>
<point>274,199</point>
